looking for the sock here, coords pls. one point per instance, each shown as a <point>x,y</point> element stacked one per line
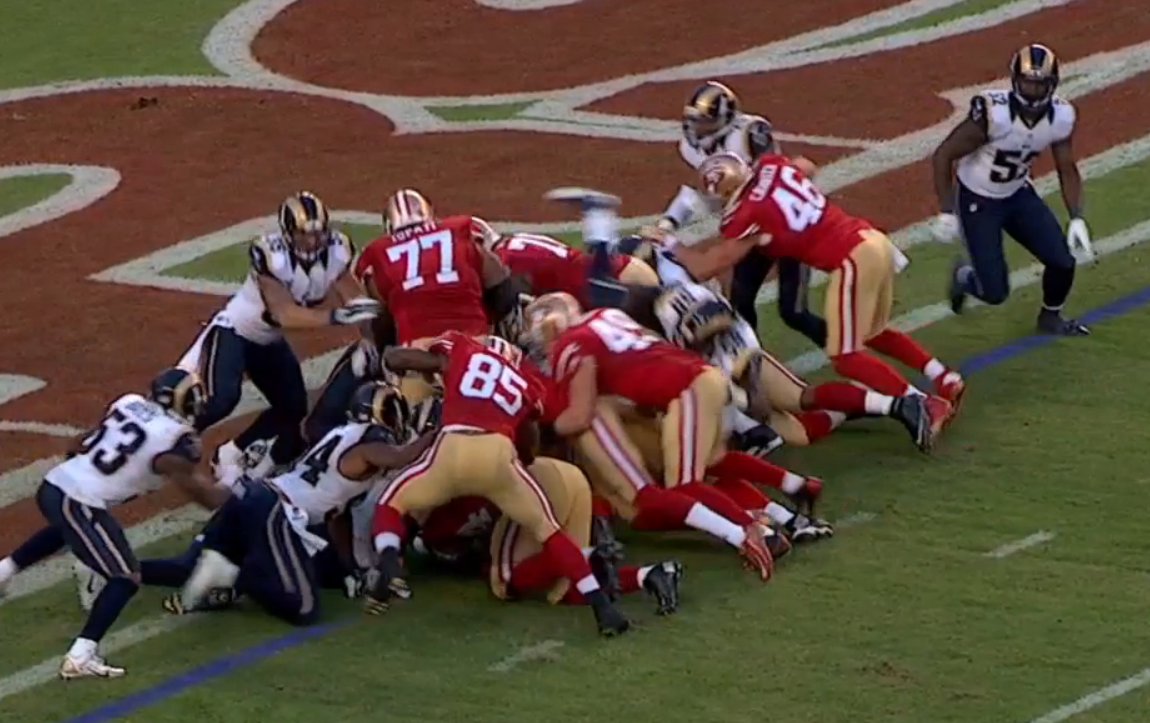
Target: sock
<point>534,573</point>
<point>819,423</point>
<point>837,396</point>
<point>8,569</point>
<point>660,510</point>
<point>740,465</point>
<point>871,371</point>
<point>387,521</point>
<point>716,501</point>
<point>40,546</point>
<point>878,404</point>
<point>778,513</point>
<point>82,648</point>
<point>1056,284</point>
<point>899,345</point>
<point>569,562</point>
<point>743,493</point>
<point>109,604</point>
<point>601,507</point>
<point>701,518</point>
<point>631,577</point>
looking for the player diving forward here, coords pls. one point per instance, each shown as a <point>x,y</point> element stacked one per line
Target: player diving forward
<point>290,280</point>
<point>1002,135</point>
<point>139,444</point>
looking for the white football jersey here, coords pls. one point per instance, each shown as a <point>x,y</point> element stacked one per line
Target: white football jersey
<point>115,461</point>
<point>1002,165</point>
<point>314,483</point>
<point>308,284</point>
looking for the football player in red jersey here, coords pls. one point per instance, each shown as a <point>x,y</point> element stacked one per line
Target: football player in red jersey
<point>606,353</point>
<point>774,205</point>
<point>432,277</point>
<point>489,412</point>
<point>549,265</point>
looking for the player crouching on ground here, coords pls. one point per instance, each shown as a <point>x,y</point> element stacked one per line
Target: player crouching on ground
<point>488,437</point>
<point>139,444</point>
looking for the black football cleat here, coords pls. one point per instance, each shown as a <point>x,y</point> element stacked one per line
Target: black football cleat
<point>759,441</point>
<point>389,584</point>
<point>603,533</point>
<point>604,560</point>
<point>802,529</point>
<point>776,542</point>
<point>807,496</point>
<point>1052,322</point>
<point>912,412</point>
<point>611,622</point>
<point>662,583</point>
<point>956,291</point>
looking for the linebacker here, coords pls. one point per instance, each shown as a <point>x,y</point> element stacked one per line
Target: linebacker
<point>994,147</point>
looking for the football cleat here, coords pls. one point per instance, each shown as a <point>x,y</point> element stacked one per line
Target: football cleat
<point>1052,322</point>
<point>802,529</point>
<point>611,622</point>
<point>940,412</point>
<point>807,496</point>
<point>212,570</point>
<point>585,197</point>
<point>911,410</point>
<point>756,555</point>
<point>604,560</point>
<point>216,598</point>
<point>389,584</point>
<point>951,387</point>
<point>778,544</point>
<point>759,441</point>
<point>662,583</point>
<point>91,666</point>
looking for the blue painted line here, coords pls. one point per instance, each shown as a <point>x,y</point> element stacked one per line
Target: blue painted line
<point>260,651</point>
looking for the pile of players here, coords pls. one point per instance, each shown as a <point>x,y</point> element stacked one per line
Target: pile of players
<point>509,400</point>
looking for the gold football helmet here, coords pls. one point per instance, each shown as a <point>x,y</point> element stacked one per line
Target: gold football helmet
<point>723,175</point>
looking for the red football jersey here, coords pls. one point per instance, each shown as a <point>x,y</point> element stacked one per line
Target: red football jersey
<point>802,224</point>
<point>430,277</point>
<point>482,389</point>
<point>554,395</point>
<point>632,362</point>
<point>551,264</point>
<point>450,529</point>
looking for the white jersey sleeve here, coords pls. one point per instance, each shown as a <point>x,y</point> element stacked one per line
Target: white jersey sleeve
<point>314,482</point>
<point>116,459</point>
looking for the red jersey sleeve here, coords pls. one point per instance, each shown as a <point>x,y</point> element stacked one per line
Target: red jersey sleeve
<point>569,352</point>
<point>738,219</point>
<point>444,344</point>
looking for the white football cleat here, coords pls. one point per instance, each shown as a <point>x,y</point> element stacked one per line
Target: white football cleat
<point>586,197</point>
<point>89,584</point>
<point>89,666</point>
<point>212,570</point>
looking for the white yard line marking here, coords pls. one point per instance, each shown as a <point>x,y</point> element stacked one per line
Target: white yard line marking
<point>88,185</point>
<point>540,651</point>
<point>47,670</point>
<point>1092,700</point>
<point>58,569</point>
<point>855,519</point>
<point>1010,548</point>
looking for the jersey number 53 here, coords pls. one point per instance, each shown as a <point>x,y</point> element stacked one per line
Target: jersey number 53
<point>111,444</point>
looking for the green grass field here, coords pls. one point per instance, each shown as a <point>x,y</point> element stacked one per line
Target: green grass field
<point>903,617</point>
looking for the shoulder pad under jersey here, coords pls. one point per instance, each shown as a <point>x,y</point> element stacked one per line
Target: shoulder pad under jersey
<point>269,255</point>
<point>757,137</point>
<point>994,107</point>
<point>1065,115</point>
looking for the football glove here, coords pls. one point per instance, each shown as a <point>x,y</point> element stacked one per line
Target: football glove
<point>355,311</point>
<point>1078,238</point>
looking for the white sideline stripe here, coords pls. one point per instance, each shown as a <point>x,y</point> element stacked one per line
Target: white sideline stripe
<point>540,651</point>
<point>1097,698</point>
<point>51,430</point>
<point>47,670</point>
<point>1025,543</point>
<point>1028,276</point>
<point>58,569</point>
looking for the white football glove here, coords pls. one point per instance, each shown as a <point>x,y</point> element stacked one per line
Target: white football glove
<point>1078,238</point>
<point>353,312</point>
<point>945,228</point>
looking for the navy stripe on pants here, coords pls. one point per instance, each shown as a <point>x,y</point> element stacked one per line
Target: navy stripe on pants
<point>91,533</point>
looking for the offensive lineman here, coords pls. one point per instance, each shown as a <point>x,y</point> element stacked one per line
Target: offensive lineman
<point>139,444</point>
<point>291,274</point>
<point>994,147</point>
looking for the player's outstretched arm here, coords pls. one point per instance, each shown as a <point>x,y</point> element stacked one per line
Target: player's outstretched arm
<point>582,395</point>
<point>402,359</point>
<point>180,465</point>
<point>964,139</point>
<point>383,456</point>
<point>1066,164</point>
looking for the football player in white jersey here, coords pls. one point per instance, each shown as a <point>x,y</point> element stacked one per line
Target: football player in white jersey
<point>261,544</point>
<point>289,285</point>
<point>139,444</point>
<point>714,123</point>
<point>994,147</point>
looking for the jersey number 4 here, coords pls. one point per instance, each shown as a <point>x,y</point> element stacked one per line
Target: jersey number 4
<point>411,253</point>
<point>318,459</point>
<point>487,377</point>
<point>110,445</point>
<point>801,203</point>
<point>1010,166</point>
